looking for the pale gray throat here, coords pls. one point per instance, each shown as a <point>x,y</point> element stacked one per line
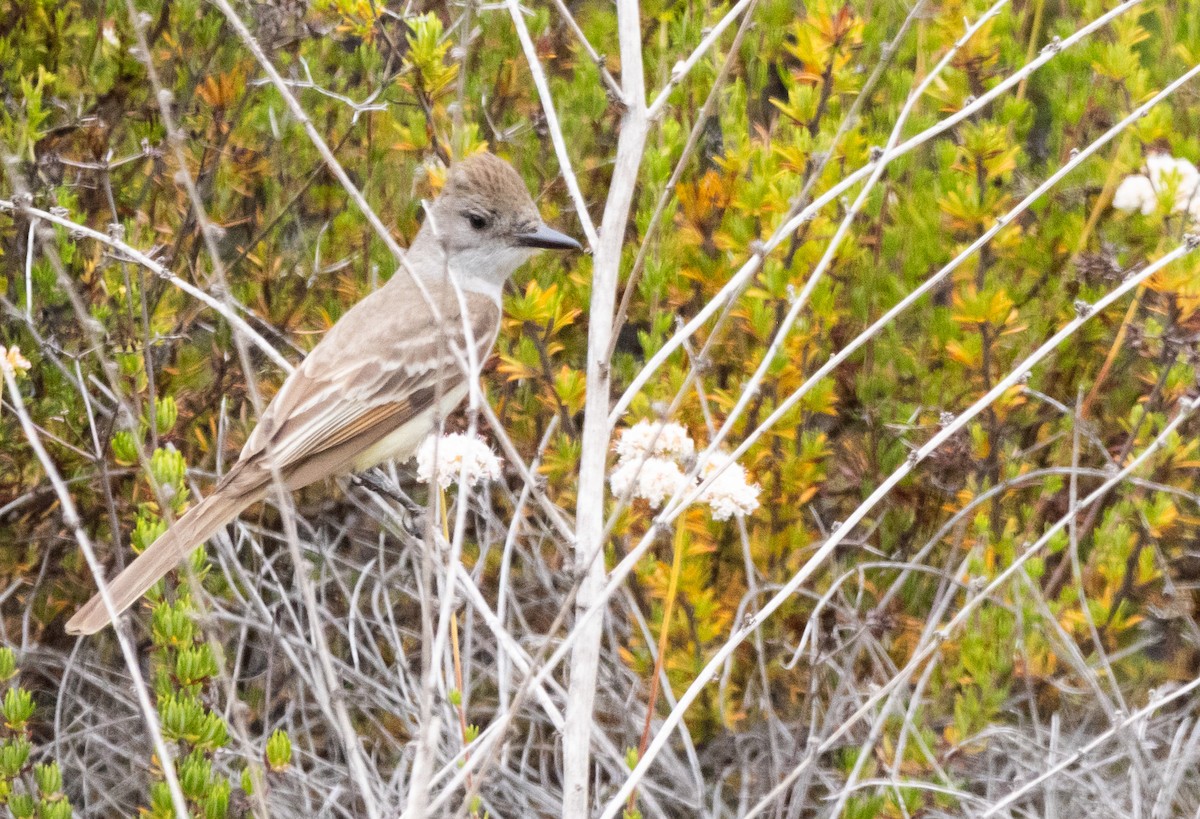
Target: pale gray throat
<point>483,269</point>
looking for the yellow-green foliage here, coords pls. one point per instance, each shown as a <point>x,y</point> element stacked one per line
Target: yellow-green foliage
<point>28,789</point>
<point>399,96</point>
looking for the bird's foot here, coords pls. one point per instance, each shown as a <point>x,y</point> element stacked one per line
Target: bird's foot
<point>374,480</point>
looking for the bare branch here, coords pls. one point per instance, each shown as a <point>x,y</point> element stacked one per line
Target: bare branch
<point>589,525</point>
<point>556,136</point>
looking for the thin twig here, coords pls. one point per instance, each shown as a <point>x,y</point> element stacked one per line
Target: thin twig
<point>556,135</point>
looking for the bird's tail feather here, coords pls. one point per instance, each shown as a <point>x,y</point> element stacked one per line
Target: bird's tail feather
<point>231,496</point>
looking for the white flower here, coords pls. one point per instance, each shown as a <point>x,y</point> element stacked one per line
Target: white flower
<point>730,493</point>
<point>1166,175</point>
<point>669,440</point>
<point>457,456</point>
<point>1164,168</point>
<point>1169,173</point>
<point>12,361</point>
<point>622,478</point>
<point>649,455</point>
<point>1136,192</point>
<point>654,479</point>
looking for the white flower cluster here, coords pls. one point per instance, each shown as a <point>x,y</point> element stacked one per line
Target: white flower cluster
<point>731,493</point>
<point>1165,176</point>
<point>660,440</point>
<point>453,453</point>
<point>12,361</point>
<point>654,479</point>
<point>649,466</point>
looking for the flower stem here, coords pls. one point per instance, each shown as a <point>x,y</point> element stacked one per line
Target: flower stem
<point>454,652</point>
<point>664,632</point>
<point>442,513</point>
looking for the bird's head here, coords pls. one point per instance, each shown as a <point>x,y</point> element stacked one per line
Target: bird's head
<point>486,222</point>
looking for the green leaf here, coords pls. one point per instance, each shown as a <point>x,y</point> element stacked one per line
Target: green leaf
<point>49,779</point>
<point>279,750</point>
<point>17,708</point>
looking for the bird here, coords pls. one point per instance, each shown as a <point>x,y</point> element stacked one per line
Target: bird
<point>381,378</point>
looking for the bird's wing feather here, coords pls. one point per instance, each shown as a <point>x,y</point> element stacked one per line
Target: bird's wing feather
<point>351,392</point>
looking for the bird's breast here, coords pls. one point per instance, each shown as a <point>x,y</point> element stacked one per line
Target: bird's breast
<point>401,443</point>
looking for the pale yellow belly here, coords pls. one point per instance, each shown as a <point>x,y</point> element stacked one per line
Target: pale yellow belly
<point>402,443</point>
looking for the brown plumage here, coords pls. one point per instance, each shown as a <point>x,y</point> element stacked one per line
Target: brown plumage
<point>383,375</point>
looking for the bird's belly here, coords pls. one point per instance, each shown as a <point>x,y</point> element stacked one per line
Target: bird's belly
<point>402,442</point>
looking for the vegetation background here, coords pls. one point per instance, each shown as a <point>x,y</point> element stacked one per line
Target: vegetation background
<point>969,588</point>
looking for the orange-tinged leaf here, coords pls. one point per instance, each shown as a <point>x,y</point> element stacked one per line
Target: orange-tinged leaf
<point>514,370</point>
<point>962,355</point>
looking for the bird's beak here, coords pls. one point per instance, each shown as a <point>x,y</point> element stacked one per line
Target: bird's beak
<point>546,237</point>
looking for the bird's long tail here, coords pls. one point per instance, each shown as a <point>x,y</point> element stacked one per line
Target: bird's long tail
<point>238,490</point>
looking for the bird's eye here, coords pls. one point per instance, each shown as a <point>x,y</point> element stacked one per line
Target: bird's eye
<point>477,220</point>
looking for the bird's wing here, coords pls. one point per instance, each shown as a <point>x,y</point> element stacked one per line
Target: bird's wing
<point>381,365</point>
<point>376,369</point>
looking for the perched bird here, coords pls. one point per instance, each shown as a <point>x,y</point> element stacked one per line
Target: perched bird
<point>377,383</point>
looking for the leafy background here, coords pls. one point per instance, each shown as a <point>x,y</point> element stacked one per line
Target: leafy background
<point>141,395</point>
